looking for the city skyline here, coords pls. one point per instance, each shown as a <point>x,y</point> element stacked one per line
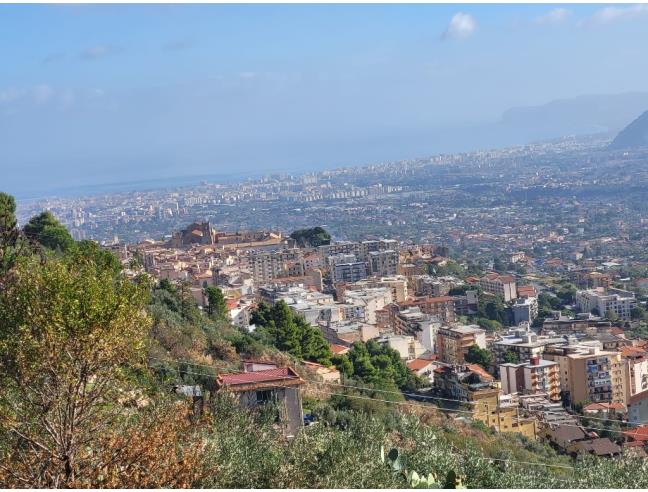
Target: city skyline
<point>125,93</point>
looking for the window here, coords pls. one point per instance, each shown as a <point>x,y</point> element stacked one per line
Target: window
<point>263,397</point>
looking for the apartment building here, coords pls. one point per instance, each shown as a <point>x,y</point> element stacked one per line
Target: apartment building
<point>397,284</point>
<point>596,376</point>
<point>370,300</point>
<point>591,280</point>
<point>266,265</point>
<point>496,284</point>
<point>615,302</point>
<point>408,347</point>
<point>523,344</point>
<point>453,342</point>
<point>349,272</point>
<point>635,362</point>
<point>524,309</point>
<point>441,307</point>
<point>538,376</point>
<point>413,322</point>
<point>383,263</point>
<point>427,285</point>
<point>584,323</point>
<point>471,383</point>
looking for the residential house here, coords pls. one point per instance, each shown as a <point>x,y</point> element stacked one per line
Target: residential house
<point>260,384</point>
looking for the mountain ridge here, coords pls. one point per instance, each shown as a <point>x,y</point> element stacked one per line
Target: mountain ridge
<point>633,135</point>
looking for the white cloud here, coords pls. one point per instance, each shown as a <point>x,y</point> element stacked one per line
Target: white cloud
<point>609,15</point>
<point>553,17</point>
<point>461,26</point>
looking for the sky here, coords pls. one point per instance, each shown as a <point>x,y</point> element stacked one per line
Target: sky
<point>93,94</point>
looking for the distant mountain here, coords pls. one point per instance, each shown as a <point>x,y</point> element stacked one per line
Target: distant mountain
<point>588,114</point>
<point>633,135</point>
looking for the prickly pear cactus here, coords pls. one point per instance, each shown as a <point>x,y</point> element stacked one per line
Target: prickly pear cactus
<point>416,481</point>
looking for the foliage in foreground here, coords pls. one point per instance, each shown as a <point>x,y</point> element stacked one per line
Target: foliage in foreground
<point>243,452</point>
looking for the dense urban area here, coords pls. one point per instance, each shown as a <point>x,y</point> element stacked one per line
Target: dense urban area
<point>472,320</point>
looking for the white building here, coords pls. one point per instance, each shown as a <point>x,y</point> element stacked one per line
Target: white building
<point>615,301</point>
<point>525,309</point>
<point>371,300</point>
<point>408,347</point>
<point>503,285</point>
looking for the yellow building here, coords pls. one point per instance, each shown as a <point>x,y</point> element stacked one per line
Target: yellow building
<point>595,377</point>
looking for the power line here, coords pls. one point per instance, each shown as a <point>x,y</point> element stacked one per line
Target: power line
<point>416,404</point>
<point>409,403</point>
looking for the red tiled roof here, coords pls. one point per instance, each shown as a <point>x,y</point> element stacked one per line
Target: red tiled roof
<point>638,434</point>
<point>339,349</point>
<point>604,406</point>
<point>526,290</point>
<point>629,351</point>
<point>476,368</point>
<point>266,376</point>
<point>418,364</point>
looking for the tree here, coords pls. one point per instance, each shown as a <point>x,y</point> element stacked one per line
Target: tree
<point>477,355</point>
<point>316,236</point>
<point>493,308</point>
<point>638,312</point>
<point>291,333</point>
<point>71,336</point>
<point>489,324</point>
<point>10,240</point>
<point>46,230</point>
<point>102,257</point>
<point>511,357</point>
<point>217,306</point>
<point>499,265</point>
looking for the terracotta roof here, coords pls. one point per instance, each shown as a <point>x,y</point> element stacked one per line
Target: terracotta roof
<point>615,330</point>
<point>629,351</point>
<point>418,364</point>
<point>477,369</point>
<point>506,278</point>
<point>593,407</point>
<point>243,381</point>
<point>526,290</point>
<point>339,349</point>
<point>638,434</point>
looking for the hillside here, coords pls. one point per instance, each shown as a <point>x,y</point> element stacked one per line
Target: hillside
<point>634,135</point>
<point>91,360</point>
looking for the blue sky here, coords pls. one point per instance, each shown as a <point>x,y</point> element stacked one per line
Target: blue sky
<point>109,93</point>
